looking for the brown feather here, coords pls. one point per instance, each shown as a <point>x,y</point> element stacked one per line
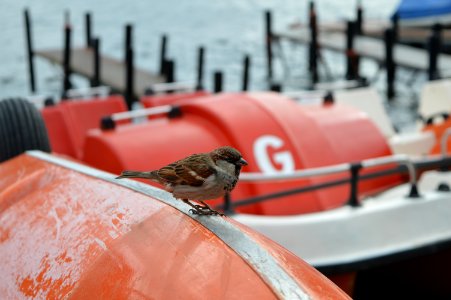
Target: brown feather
<point>181,171</point>
<point>168,173</point>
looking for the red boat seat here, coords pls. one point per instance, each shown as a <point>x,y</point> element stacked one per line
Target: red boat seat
<point>273,133</point>
<point>84,115</point>
<point>61,139</point>
<point>77,117</point>
<point>169,99</point>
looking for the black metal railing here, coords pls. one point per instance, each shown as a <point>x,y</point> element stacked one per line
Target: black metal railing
<point>353,179</point>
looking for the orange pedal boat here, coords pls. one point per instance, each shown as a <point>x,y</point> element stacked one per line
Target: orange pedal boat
<point>74,232</point>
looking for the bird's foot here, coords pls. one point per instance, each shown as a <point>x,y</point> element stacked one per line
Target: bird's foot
<point>204,211</point>
<point>202,207</point>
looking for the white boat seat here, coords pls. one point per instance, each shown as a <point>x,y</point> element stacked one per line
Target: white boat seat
<point>368,100</point>
<point>412,143</point>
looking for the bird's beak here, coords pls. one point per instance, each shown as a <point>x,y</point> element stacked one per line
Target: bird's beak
<point>242,162</point>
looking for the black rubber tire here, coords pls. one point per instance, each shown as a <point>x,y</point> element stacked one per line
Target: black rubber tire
<point>21,128</point>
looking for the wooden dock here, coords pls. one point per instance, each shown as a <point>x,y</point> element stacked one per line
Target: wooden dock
<point>369,47</point>
<point>375,28</point>
<point>112,70</point>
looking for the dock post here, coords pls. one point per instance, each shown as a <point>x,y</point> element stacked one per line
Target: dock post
<point>268,43</point>
<point>352,59</point>
<point>200,68</point>
<point>395,26</point>
<point>164,41</point>
<point>30,51</point>
<point>276,87</point>
<point>164,69</point>
<point>217,82</point>
<point>434,48</point>
<point>389,37</point>
<point>67,57</point>
<point>170,70</point>
<point>246,65</point>
<point>129,78</point>
<point>88,30</point>
<point>128,40</point>
<point>313,46</point>
<point>96,52</point>
<point>359,18</point>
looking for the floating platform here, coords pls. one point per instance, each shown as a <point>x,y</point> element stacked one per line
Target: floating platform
<point>369,47</point>
<point>375,28</point>
<point>113,71</point>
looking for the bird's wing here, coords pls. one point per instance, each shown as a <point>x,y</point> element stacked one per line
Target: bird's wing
<point>192,170</point>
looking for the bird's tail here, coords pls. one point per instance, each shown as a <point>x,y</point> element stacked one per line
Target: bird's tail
<point>136,174</point>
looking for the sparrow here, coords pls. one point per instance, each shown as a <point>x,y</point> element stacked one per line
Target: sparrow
<point>198,177</point>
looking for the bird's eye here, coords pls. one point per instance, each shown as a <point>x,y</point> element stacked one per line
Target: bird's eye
<point>232,160</point>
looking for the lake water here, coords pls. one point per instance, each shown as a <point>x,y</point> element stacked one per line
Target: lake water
<point>228,29</point>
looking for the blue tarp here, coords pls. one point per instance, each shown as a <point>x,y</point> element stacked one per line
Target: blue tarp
<point>414,9</point>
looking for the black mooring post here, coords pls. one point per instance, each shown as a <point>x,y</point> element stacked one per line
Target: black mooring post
<point>437,29</point>
<point>128,39</point>
<point>328,98</point>
<point>163,49</point>
<point>200,68</point>
<point>67,58</point>
<point>88,30</point>
<point>313,47</point>
<point>169,70</point>
<point>96,53</point>
<point>129,78</point>
<point>359,18</point>
<point>349,38</point>
<point>434,48</point>
<point>30,51</point>
<point>352,59</point>
<point>164,69</point>
<point>268,43</point>
<point>217,82</point>
<point>275,87</point>
<point>246,65</point>
<point>395,26</point>
<point>389,37</point>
